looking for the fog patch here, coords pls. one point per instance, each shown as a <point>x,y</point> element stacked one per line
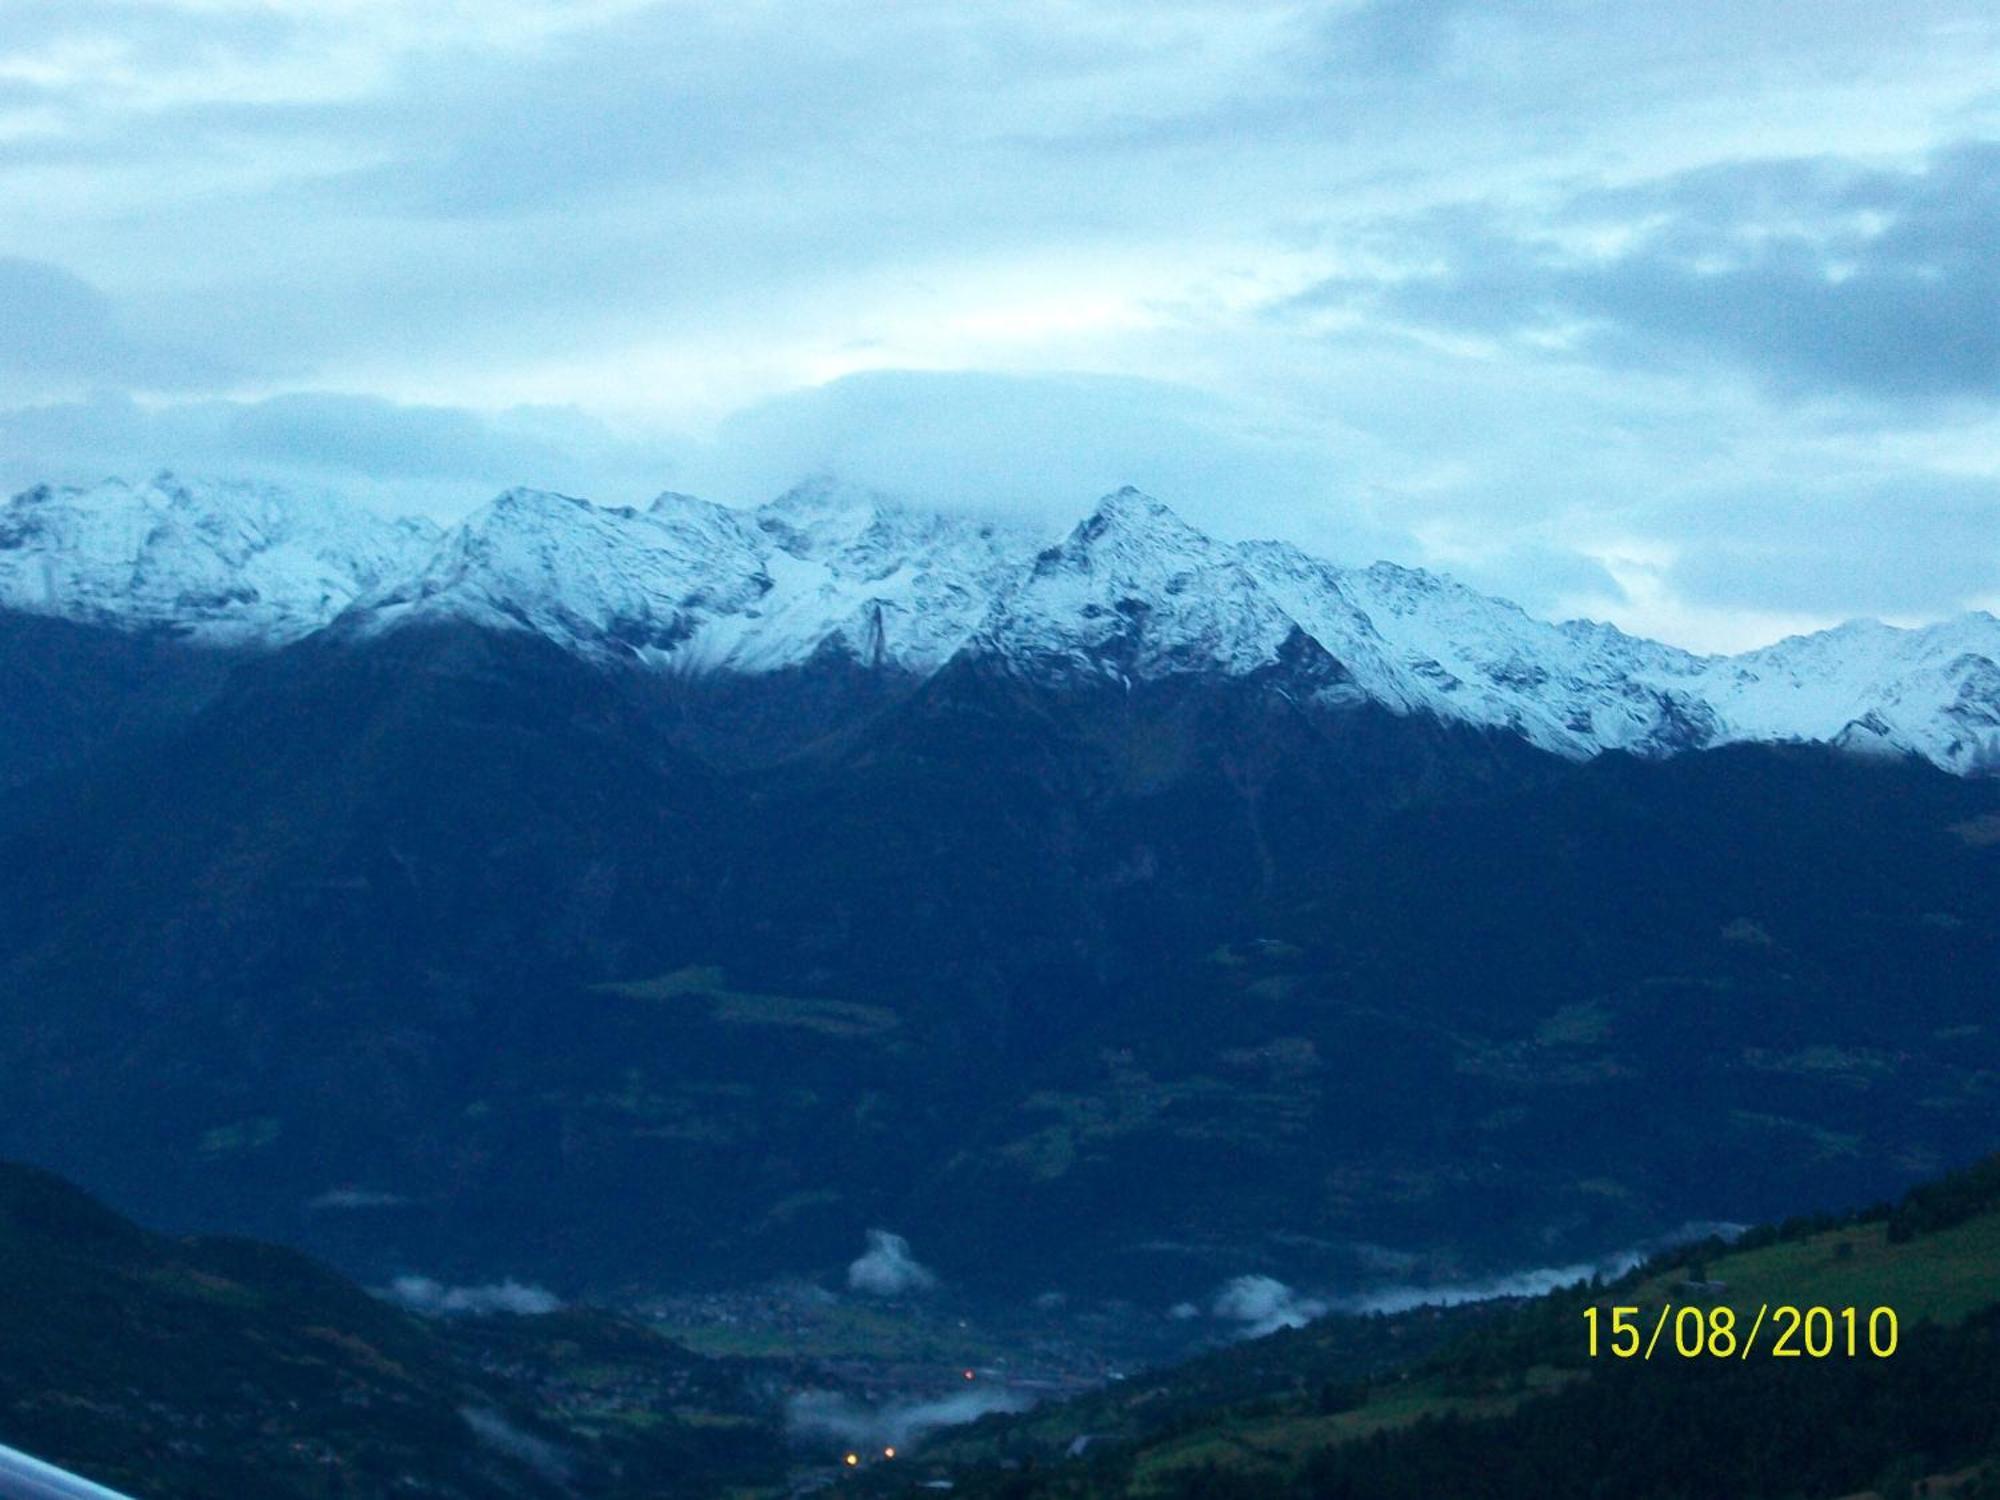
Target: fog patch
<point>1264,1304</point>
<point>887,1269</point>
<point>494,1430</point>
<point>1383,1258</point>
<point>1539,1281</point>
<point>892,1424</point>
<point>433,1299</point>
<point>1535,1283</point>
<point>353,1198</point>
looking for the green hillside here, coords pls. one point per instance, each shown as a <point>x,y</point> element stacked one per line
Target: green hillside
<point>1507,1401</point>
<point>193,1369</point>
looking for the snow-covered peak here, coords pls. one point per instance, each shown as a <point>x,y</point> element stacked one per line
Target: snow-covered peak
<point>1130,518</point>
<point>1419,642</point>
<point>828,570</point>
<point>692,586</point>
<point>1135,592</point>
<point>225,562</point>
<point>865,534</point>
<point>1932,691</point>
<point>823,516</point>
<point>674,502</point>
<point>863,575</point>
<point>595,579</point>
<point>1573,689</point>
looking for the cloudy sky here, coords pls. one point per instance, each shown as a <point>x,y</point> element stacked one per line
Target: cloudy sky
<point>1681,315</point>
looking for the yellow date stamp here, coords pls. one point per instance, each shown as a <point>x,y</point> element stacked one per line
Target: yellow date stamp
<point>1783,1331</point>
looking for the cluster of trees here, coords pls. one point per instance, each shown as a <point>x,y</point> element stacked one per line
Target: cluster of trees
<point>1659,1431</point>
<point>1764,1428</point>
<point>1948,1201</point>
<point>1666,1428</point>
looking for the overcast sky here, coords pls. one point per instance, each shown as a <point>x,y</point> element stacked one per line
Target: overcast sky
<point>1685,316</point>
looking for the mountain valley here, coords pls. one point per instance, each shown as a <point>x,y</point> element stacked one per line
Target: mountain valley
<point>664,899</point>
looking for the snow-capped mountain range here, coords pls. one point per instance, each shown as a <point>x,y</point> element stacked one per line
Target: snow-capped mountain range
<point>1131,593</point>
<point>227,563</point>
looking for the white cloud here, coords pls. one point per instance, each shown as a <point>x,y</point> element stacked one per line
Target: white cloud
<point>887,1269</point>
<point>1263,1304</point>
<point>432,1298</point>
<point>352,1198</point>
<point>702,217</point>
<point>861,1424</point>
<point>539,1454</point>
<point>399,458</point>
<point>1538,1281</point>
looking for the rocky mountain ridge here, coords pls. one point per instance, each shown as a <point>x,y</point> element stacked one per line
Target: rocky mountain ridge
<point>692,588</point>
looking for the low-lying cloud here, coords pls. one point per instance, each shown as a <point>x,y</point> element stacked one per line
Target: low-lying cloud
<point>1264,1304</point>
<point>494,1430</point>
<point>350,1198</point>
<point>422,1294</point>
<point>1764,528</point>
<point>398,457</point>
<point>861,1424</point>
<point>1536,1282</point>
<point>887,1269</point>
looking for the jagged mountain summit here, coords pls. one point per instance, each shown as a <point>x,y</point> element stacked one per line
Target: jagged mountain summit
<point>228,563</point>
<point>691,586</point>
<point>830,572</point>
<point>1135,592</point>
